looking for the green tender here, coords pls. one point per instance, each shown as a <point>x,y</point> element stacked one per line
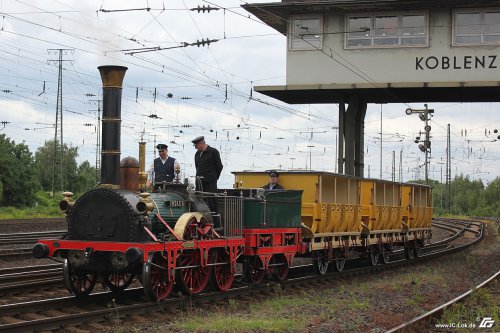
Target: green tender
<point>277,209</point>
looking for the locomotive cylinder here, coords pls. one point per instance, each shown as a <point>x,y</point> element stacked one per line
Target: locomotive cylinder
<point>112,80</point>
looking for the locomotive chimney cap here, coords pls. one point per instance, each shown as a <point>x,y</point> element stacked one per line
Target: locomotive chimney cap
<point>112,76</point>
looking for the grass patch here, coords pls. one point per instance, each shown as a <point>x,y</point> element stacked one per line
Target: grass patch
<point>43,207</point>
<point>222,322</point>
<point>480,304</point>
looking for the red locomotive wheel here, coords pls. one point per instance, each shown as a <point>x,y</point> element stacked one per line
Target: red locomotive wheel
<point>255,272</point>
<point>193,279</point>
<point>78,283</point>
<point>280,271</point>
<point>117,281</point>
<point>154,278</point>
<point>222,277</point>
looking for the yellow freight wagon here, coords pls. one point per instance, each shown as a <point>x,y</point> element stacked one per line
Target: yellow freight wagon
<point>341,213</point>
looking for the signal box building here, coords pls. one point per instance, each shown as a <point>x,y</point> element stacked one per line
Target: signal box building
<point>387,51</point>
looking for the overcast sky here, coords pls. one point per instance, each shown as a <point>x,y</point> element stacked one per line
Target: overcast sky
<point>210,89</point>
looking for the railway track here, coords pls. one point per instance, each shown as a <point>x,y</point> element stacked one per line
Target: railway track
<point>70,311</point>
<point>23,242</point>
<point>19,278</point>
<point>29,237</point>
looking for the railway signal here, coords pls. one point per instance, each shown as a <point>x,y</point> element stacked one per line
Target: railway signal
<point>425,144</point>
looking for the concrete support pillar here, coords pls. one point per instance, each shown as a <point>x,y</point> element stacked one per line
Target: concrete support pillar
<point>340,157</point>
<point>351,137</point>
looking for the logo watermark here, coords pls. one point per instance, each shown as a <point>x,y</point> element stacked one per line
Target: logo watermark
<point>486,322</point>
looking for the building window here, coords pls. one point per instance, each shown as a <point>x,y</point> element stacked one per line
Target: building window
<point>376,30</point>
<point>306,33</point>
<point>476,27</point>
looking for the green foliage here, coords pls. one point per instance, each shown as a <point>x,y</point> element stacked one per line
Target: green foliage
<point>17,174</point>
<point>44,161</point>
<point>22,175</point>
<point>468,197</point>
<point>85,178</point>
<point>44,206</point>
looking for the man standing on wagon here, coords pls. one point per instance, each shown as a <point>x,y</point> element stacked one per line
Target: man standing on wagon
<point>208,165</point>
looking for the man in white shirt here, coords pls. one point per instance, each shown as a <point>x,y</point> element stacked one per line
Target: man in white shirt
<point>162,168</point>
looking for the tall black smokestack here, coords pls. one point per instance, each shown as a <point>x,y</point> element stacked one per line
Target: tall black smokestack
<point>112,79</point>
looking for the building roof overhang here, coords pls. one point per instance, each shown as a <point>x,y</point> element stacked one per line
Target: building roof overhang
<point>277,14</point>
<point>385,92</point>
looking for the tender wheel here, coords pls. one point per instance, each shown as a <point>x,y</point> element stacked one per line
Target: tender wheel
<point>78,283</point>
<point>280,272</point>
<point>255,271</point>
<point>321,265</point>
<point>222,277</point>
<point>154,278</point>
<point>373,255</point>
<point>192,280</point>
<point>339,261</point>
<point>117,281</point>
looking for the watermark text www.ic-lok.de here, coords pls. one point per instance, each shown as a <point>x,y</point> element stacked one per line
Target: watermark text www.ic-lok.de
<point>486,322</point>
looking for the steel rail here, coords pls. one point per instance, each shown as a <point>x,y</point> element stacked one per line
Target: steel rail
<point>434,312</point>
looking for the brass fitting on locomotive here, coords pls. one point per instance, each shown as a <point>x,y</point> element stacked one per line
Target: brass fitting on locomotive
<point>145,205</point>
<point>67,203</point>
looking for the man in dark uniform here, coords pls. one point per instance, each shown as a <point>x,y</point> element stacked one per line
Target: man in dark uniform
<point>162,167</point>
<point>273,181</point>
<point>208,165</point>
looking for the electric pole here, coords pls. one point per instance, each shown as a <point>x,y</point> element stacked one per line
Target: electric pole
<point>448,169</point>
<point>58,133</point>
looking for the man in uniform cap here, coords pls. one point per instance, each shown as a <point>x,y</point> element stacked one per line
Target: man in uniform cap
<point>162,168</point>
<point>273,181</point>
<point>208,165</point>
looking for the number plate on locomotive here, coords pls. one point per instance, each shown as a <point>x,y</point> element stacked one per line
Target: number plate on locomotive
<point>177,203</point>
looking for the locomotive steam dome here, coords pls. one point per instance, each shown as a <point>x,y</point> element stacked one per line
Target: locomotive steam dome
<point>106,215</point>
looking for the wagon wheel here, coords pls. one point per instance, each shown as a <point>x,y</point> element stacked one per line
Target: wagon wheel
<point>78,283</point>
<point>409,251</point>
<point>154,278</point>
<point>321,264</point>
<point>117,281</point>
<point>418,250</point>
<point>373,255</point>
<point>194,279</point>
<point>255,271</point>
<point>280,271</point>
<point>222,278</point>
<point>339,261</point>
<point>385,256</point>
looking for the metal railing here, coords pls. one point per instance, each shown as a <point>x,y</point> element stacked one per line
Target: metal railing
<point>231,210</point>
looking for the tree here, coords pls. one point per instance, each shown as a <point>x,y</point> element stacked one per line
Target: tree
<point>85,179</point>
<point>18,175</point>
<point>44,160</point>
